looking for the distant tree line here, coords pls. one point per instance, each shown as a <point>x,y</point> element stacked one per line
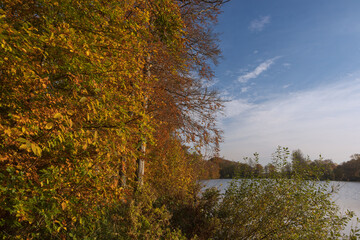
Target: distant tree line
<point>321,169</point>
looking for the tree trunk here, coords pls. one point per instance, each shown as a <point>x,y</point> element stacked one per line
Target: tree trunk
<point>122,172</point>
<point>140,162</point>
<point>141,166</point>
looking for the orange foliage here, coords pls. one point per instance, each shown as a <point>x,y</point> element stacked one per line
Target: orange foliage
<point>75,102</point>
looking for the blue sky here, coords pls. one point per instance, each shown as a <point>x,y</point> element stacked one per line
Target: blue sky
<point>291,74</point>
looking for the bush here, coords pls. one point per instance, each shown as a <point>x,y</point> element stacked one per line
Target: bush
<point>139,218</point>
<point>278,208</point>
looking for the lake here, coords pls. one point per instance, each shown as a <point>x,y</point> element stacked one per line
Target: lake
<point>347,195</point>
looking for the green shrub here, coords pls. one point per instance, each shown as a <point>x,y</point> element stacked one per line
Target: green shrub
<point>138,218</point>
<point>278,208</point>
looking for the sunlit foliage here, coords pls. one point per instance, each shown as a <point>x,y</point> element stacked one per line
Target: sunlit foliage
<point>82,85</point>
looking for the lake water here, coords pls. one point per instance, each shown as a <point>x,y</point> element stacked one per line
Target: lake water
<point>347,196</point>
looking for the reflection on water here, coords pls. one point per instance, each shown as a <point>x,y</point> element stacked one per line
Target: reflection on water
<point>346,195</point>
<point>348,198</point>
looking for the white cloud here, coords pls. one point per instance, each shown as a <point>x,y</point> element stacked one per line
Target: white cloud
<point>236,107</point>
<point>258,24</point>
<point>286,64</point>
<point>257,71</point>
<point>244,89</point>
<point>286,86</point>
<point>319,121</point>
<point>229,73</point>
<point>226,95</point>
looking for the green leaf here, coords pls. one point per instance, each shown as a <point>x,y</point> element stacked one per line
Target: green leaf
<point>23,140</point>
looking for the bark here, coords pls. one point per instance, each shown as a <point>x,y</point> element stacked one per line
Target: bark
<point>140,162</point>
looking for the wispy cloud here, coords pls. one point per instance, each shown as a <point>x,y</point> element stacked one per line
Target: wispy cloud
<point>319,121</point>
<point>257,71</point>
<point>258,24</point>
<point>244,89</point>
<point>286,64</point>
<point>236,107</point>
<point>209,83</point>
<point>286,86</point>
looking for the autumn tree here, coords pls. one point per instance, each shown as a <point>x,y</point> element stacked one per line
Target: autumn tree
<point>183,108</point>
<point>350,170</point>
<point>83,85</point>
<point>325,168</point>
<point>177,63</point>
<point>181,103</point>
<point>269,169</point>
<point>73,92</point>
<point>300,163</point>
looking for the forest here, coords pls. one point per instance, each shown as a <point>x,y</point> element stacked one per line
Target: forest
<point>319,169</point>
<point>104,112</point>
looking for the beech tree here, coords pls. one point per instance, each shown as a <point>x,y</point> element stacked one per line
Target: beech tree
<point>72,103</point>
<point>83,84</point>
<point>182,107</point>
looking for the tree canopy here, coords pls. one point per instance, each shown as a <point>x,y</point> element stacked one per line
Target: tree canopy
<point>82,85</point>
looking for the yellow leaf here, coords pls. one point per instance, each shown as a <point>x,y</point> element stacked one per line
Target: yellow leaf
<point>83,99</point>
<point>87,53</point>
<point>63,205</point>
<point>23,146</point>
<point>39,151</point>
<point>49,126</point>
<point>36,149</point>
<point>57,115</point>
<point>70,112</point>
<point>33,148</point>
<point>8,132</point>
<point>95,136</point>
